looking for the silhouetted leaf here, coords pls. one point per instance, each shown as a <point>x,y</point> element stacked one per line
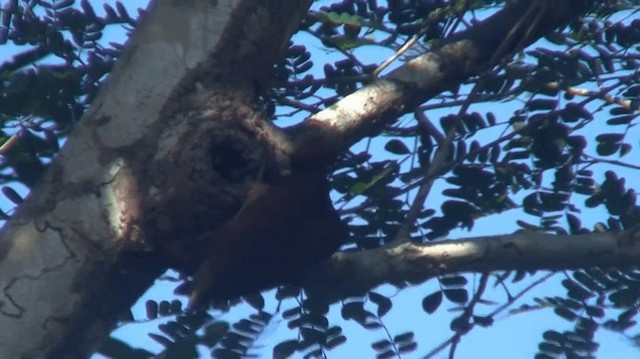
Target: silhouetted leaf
<point>397,147</point>
<point>431,302</point>
<point>459,295</point>
<point>11,195</point>
<point>152,309</point>
<point>384,304</point>
<point>115,348</point>
<point>255,300</point>
<point>381,345</point>
<point>453,280</point>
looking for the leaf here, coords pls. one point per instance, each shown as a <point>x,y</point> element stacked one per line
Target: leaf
<point>304,67</point>
<point>261,317</point>
<point>347,43</point>
<point>246,327</point>
<point>334,342</point>
<point>460,324</point>
<point>549,348</point>
<point>483,321</point>
<point>610,137</point>
<point>576,291</point>
<point>176,306</point>
<point>164,308</point>
<point>353,310</point>
<point>621,120</point>
<point>161,339</point>
<point>632,91</point>
<point>397,147</point>
<point>381,345</point>
<point>542,104</point>
<point>312,334</point>
<point>457,295</point>
<point>450,281</point>
<point>409,347</point>
<point>12,195</point>
<point>624,297</point>
<point>565,313</point>
<point>59,4</point>
<point>285,349</point>
<point>360,187</point>
<point>594,311</point>
<point>574,223</point>
<point>255,300</point>
<point>384,304</point>
<point>574,112</point>
<point>491,118</point>
<point>607,148</point>
<point>151,307</point>
<point>628,315</point>
<point>586,280</point>
<point>553,336</point>
<point>214,332</point>
<point>620,111</point>
<point>408,336</point>
<point>431,302</point>
<point>387,354</point>
<point>625,148</point>
<point>343,18</point>
<point>528,226</point>
<point>334,331</point>
<point>115,348</point>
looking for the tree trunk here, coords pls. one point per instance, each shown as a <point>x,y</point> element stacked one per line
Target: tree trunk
<point>136,172</point>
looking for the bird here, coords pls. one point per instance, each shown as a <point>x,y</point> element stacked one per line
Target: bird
<point>284,227</point>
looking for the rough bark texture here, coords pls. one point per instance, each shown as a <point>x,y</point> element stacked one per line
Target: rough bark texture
<point>464,55</point>
<point>144,169</point>
<point>414,263</point>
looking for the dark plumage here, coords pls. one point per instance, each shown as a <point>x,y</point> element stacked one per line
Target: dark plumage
<point>283,229</point>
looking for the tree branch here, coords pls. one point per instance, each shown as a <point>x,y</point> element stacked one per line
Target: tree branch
<point>468,53</point>
<point>354,273</point>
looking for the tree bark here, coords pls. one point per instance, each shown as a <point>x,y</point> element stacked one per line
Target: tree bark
<point>466,54</point>
<point>415,263</point>
<point>136,173</point>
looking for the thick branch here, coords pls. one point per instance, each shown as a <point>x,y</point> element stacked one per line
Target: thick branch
<point>466,54</point>
<point>353,273</point>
